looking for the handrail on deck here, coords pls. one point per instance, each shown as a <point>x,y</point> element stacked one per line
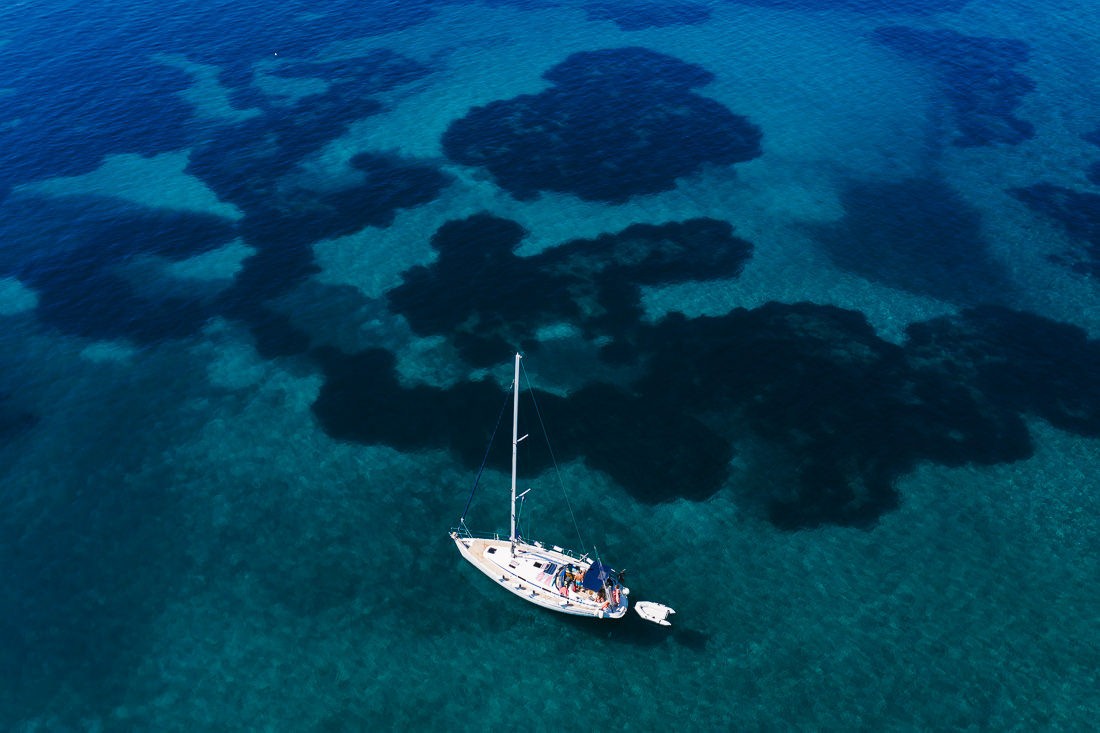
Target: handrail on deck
<point>463,531</point>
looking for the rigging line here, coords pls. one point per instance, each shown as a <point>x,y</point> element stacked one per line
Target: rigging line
<point>557,471</point>
<point>477,480</point>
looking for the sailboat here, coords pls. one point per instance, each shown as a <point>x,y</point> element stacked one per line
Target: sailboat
<point>549,576</point>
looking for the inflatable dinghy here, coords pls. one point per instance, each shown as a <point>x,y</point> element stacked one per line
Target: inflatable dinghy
<point>658,613</point>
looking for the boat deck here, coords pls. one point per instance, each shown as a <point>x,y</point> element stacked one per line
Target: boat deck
<point>530,574</point>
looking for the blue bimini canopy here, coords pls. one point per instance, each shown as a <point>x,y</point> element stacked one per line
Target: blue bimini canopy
<point>596,575</point>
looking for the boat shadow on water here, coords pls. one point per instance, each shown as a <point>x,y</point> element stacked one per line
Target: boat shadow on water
<point>636,631</point>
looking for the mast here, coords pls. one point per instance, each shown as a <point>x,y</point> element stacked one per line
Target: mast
<point>515,449</point>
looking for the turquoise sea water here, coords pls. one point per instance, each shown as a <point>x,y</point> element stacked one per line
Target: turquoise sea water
<point>807,290</point>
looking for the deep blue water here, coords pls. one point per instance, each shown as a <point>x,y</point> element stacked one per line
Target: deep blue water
<point>807,291</point>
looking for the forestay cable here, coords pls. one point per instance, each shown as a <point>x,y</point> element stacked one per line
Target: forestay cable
<point>477,480</point>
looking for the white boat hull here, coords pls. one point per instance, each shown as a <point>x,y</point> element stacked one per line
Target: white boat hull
<point>525,575</point>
